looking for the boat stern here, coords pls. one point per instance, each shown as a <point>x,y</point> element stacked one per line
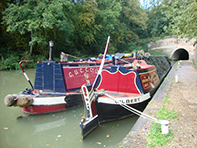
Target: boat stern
<point>87,125</point>
<point>91,121</point>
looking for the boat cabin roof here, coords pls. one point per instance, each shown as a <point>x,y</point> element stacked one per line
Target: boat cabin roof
<point>138,65</point>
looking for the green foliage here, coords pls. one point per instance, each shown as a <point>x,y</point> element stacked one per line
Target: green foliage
<point>85,28</point>
<point>165,100</point>
<point>77,27</point>
<point>109,11</point>
<point>11,62</point>
<point>133,19</point>
<point>36,59</point>
<point>45,21</point>
<point>156,53</point>
<point>163,114</point>
<point>182,16</point>
<point>133,47</point>
<point>157,21</point>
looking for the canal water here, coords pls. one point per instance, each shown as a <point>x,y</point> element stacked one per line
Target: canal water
<point>55,130</point>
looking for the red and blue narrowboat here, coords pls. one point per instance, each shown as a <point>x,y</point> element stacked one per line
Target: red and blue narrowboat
<point>57,83</point>
<point>129,84</point>
<point>56,86</point>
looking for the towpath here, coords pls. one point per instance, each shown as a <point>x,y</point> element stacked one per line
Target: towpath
<point>182,98</point>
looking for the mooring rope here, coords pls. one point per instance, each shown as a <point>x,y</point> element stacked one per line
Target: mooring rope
<point>125,61</point>
<point>84,111</point>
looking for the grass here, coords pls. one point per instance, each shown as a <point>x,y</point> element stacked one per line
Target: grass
<point>194,64</point>
<point>165,100</point>
<point>155,137</point>
<point>157,53</point>
<point>164,114</point>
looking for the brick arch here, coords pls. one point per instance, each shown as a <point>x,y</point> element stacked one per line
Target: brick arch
<point>175,49</point>
<point>180,54</point>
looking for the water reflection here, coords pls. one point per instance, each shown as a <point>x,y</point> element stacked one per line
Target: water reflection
<point>50,130</point>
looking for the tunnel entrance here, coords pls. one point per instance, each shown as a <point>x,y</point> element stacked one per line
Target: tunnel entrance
<point>180,54</point>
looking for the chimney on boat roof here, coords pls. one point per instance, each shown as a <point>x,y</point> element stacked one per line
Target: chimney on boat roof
<point>50,50</point>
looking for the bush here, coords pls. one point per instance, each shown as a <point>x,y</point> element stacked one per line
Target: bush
<point>10,62</point>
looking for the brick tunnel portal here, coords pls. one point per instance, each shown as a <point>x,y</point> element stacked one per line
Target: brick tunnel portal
<point>180,54</point>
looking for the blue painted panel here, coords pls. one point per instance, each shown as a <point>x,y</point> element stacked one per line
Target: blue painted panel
<point>49,77</point>
<point>59,79</point>
<point>38,77</point>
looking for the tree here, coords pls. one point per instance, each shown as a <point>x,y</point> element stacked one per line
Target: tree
<point>133,21</point>
<point>108,19</point>
<point>84,26</point>
<point>182,16</point>
<point>157,19</point>
<point>43,20</point>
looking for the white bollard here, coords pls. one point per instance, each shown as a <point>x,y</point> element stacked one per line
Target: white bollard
<point>164,126</point>
<point>179,64</point>
<point>176,78</point>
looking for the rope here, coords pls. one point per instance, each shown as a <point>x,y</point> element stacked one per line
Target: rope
<point>125,61</point>
<point>84,111</point>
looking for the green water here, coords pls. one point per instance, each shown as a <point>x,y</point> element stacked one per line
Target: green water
<point>56,130</point>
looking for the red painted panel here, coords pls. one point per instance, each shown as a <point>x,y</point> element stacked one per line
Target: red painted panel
<point>84,91</point>
<point>93,107</point>
<point>127,83</point>
<point>109,81</point>
<point>119,82</point>
<point>148,78</point>
<point>76,77</point>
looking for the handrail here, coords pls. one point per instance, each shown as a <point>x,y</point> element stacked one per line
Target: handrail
<point>26,61</point>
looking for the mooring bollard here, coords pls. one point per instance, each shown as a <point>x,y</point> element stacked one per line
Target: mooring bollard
<point>164,126</point>
<point>179,64</point>
<point>176,78</point>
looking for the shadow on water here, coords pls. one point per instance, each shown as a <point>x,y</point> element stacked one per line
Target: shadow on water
<point>51,130</point>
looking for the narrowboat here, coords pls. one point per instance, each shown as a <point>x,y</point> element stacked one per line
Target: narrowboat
<point>56,86</point>
<point>57,83</point>
<point>118,86</point>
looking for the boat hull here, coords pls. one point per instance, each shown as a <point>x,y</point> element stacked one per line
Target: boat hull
<point>53,103</point>
<point>89,125</point>
<point>109,112</point>
<point>43,109</point>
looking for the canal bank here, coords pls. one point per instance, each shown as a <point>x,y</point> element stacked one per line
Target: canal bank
<point>181,98</point>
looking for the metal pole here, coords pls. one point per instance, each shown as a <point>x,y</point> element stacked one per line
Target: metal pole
<point>50,50</point>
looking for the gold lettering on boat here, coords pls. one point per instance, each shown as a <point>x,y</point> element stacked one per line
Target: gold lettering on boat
<point>91,70</point>
<point>128,101</point>
<point>86,69</point>
<point>70,74</point>
<point>76,72</point>
<point>81,70</point>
